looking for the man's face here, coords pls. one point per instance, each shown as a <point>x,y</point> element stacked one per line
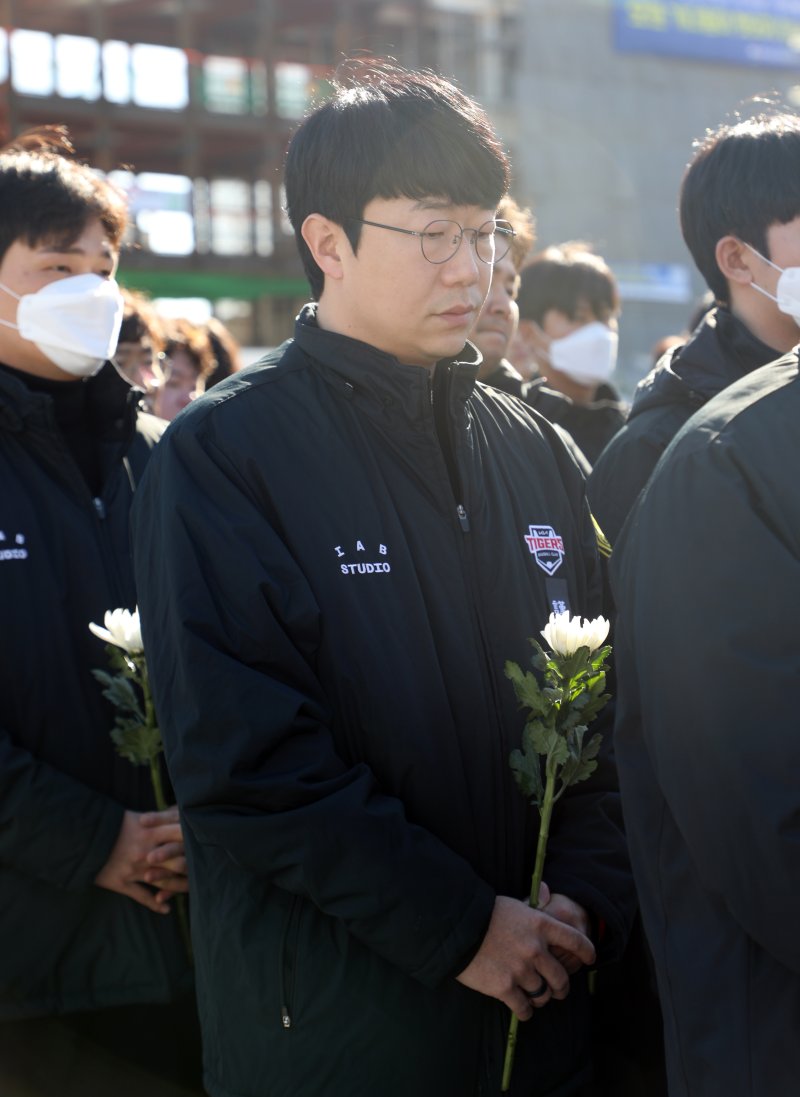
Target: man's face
<point>180,385</point>
<point>26,269</point>
<point>391,297</point>
<point>497,322</point>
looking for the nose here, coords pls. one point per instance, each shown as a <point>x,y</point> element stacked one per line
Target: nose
<point>498,302</point>
<point>465,267</point>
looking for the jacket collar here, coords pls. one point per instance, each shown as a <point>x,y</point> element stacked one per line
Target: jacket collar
<point>112,399</point>
<point>369,375</point>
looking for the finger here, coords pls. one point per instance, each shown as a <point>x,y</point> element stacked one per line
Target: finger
<point>146,898</point>
<point>560,935</point>
<point>158,818</point>
<point>167,851</point>
<point>555,974</point>
<point>544,895</point>
<point>519,1003</point>
<point>175,865</point>
<point>159,836</point>
<point>167,881</point>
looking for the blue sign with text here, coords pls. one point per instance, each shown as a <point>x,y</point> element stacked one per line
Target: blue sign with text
<point>743,32</point>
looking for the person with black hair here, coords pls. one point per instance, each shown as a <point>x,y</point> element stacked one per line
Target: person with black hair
<point>333,569</point>
<point>497,324</point>
<point>141,340</point>
<point>91,953</point>
<point>568,307</point>
<point>739,198</point>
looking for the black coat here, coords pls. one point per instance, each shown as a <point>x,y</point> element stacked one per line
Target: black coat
<point>720,351</point>
<point>65,560</point>
<point>707,583</point>
<point>591,426</point>
<point>333,570</point>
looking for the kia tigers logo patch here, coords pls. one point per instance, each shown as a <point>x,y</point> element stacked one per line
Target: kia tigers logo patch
<point>546,547</point>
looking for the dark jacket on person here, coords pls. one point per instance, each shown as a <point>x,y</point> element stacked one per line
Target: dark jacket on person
<point>549,403</point>
<point>720,351</point>
<point>337,553</point>
<point>707,584</point>
<point>591,426</point>
<point>68,945</point>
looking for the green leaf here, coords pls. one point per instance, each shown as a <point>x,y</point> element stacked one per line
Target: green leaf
<point>137,742</point>
<point>527,772</point>
<point>541,737</point>
<point>526,687</point>
<point>119,691</point>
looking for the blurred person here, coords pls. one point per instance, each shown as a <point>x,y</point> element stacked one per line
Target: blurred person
<point>187,363</point>
<point>91,954</point>
<point>494,332</point>
<point>312,540</point>
<point>226,351</point>
<point>568,307</point>
<point>740,235</point>
<point>141,340</point>
<point>705,577</point>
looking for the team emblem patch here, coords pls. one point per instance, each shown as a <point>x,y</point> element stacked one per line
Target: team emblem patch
<point>546,547</point>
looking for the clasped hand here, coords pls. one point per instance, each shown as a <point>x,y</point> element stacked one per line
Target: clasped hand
<point>529,951</point>
<point>148,862</point>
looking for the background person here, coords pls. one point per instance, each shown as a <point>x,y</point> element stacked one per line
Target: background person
<point>91,954</point>
<point>568,306</point>
<point>736,229</point>
<point>188,361</point>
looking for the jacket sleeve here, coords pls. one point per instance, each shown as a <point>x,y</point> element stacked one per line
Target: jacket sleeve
<point>52,827</point>
<point>708,586</point>
<point>231,628</point>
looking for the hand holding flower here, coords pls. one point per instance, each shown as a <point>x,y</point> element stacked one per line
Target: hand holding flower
<point>127,867</point>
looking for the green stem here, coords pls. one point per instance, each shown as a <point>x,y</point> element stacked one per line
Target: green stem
<point>545,813</point>
<point>161,804</point>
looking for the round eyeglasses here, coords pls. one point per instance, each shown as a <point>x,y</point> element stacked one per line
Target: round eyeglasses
<point>440,240</point>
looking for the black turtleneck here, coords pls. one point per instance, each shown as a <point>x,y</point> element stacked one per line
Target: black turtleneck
<point>73,419</point>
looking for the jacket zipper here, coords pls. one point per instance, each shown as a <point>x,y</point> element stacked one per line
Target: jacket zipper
<point>439,390</point>
<point>287,966</point>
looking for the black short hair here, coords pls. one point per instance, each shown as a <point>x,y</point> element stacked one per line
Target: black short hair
<point>568,277</point>
<point>743,179</point>
<point>47,197</point>
<point>389,133</point>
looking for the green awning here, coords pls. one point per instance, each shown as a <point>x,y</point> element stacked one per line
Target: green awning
<point>194,283</point>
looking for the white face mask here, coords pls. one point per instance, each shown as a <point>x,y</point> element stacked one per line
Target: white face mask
<point>74,322</point>
<point>788,288</point>
<point>587,355</point>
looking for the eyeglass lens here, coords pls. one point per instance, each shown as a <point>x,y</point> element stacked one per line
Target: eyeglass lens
<point>440,240</point>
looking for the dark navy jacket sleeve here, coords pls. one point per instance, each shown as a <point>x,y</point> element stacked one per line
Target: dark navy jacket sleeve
<point>52,826</point>
<point>707,583</point>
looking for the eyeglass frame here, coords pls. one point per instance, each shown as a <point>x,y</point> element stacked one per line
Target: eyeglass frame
<point>507,233</point>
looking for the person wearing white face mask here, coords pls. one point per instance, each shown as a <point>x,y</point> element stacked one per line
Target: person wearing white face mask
<point>87,869</point>
<point>705,575</point>
<point>568,308</point>
<point>744,236</point>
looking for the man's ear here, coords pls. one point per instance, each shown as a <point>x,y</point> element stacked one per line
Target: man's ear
<point>325,240</point>
<point>736,261</point>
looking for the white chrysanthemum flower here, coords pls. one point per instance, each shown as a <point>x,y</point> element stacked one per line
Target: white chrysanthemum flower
<point>565,635</point>
<point>122,629</point>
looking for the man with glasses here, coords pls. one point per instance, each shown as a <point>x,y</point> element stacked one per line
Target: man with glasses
<point>338,549</point>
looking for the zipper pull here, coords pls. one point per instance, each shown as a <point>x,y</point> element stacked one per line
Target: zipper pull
<point>286,1020</point>
<point>463,520</point>
<point>99,507</point>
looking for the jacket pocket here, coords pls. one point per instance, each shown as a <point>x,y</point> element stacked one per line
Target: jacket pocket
<point>288,960</point>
